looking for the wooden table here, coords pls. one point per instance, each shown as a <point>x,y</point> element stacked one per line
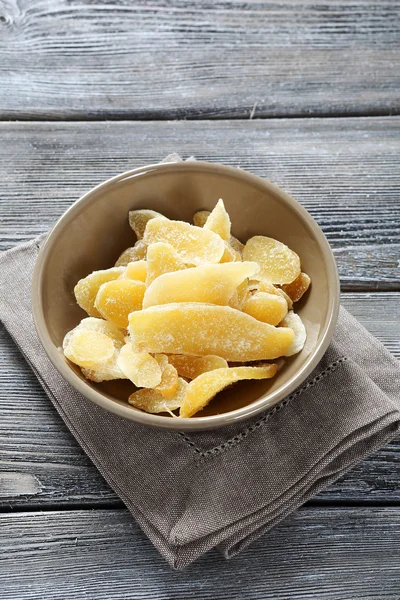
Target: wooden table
<point>304,92</point>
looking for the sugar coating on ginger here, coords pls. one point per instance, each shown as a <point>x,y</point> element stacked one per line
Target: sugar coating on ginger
<point>194,245</point>
<point>115,300</point>
<point>86,289</point>
<point>200,329</point>
<point>161,259</point>
<point>278,263</point>
<point>140,367</point>
<point>219,221</point>
<point>213,284</point>
<point>153,401</point>
<point>191,367</point>
<point>138,220</point>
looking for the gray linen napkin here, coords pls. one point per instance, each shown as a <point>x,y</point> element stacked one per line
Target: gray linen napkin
<point>223,488</point>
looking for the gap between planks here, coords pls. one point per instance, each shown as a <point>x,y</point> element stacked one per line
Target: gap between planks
<point>162,116</point>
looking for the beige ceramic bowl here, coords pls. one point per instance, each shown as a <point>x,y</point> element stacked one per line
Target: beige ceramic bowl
<point>94,231</point>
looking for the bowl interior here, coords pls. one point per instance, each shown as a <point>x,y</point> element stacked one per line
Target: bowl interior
<point>93,233</point>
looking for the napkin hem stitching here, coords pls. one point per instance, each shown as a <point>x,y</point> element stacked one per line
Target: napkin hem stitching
<point>241,436</point>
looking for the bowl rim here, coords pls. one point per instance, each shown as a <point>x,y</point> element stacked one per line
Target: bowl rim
<point>193,423</point>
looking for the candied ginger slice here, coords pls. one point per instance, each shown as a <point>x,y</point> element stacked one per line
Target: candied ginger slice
<point>162,258</point>
<point>213,284</point>
<point>136,270</point>
<point>200,218</point>
<point>242,292</point>
<point>152,401</point>
<point>137,252</point>
<point>201,390</point>
<point>230,255</point>
<point>219,221</point>
<point>87,348</point>
<point>200,329</point>
<point>236,245</point>
<point>263,285</point>
<point>194,245</point>
<point>162,360</point>
<point>278,263</point>
<point>169,377</point>
<point>86,289</point>
<point>106,327</point>
<point>284,295</point>
<point>138,220</point>
<point>140,367</point>
<point>104,372</point>
<point>116,299</point>
<point>298,287</point>
<point>234,300</point>
<point>193,366</point>
<point>269,308</point>
<point>300,335</point>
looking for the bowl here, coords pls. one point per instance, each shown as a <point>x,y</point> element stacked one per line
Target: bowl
<point>95,230</point>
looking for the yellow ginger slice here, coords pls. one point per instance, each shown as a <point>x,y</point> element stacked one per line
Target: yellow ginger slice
<point>242,292</point>
<point>201,390</point>
<point>213,284</point>
<point>263,285</point>
<point>193,366</point>
<point>284,295</point>
<point>298,287</point>
<point>162,360</point>
<point>116,299</point>
<point>104,372</point>
<point>236,245</point>
<point>152,401</point>
<point>199,329</point>
<point>108,370</point>
<point>268,308</point>
<point>219,221</point>
<point>136,270</point>
<point>278,263</point>
<point>169,377</point>
<point>106,327</point>
<point>138,220</point>
<point>87,348</point>
<point>234,301</point>
<point>140,367</point>
<point>200,218</point>
<point>162,258</point>
<point>137,252</point>
<point>230,255</point>
<point>194,245</point>
<point>86,289</point>
<point>300,335</point>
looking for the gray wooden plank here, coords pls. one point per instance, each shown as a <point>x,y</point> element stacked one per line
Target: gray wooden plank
<point>41,465</point>
<point>344,171</point>
<point>329,554</point>
<point>180,58</point>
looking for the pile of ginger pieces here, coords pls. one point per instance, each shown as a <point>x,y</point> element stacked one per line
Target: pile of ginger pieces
<point>187,311</point>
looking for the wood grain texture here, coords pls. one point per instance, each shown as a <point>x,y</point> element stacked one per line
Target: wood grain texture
<point>344,171</point>
<point>185,59</point>
<point>36,445</point>
<point>329,554</point>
